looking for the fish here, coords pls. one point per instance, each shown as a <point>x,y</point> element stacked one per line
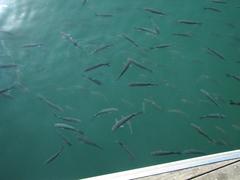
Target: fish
<point>125,119</point>
<point>101,48</point>
<point>189,22</point>
<point>220,129</point>
<point>154,11</point>
<point>212,9</point>
<point>70,39</point>
<point>97,82</point>
<point>68,127</point>
<point>105,111</point>
<point>139,65</point>
<point>97,66</point>
<point>103,15</point>
<point>182,34</point>
<point>84,2</point>
<point>235,126</point>
<point>8,65</point>
<point>130,40</point>
<point>233,76</point>
<point>213,116</point>
<point>216,53</point>
<point>231,102</point>
<point>54,156</point>
<point>164,153</point>
<point>153,103</point>
<point>2,91</point>
<point>161,46</point>
<point>68,119</point>
<point>201,132</point>
<point>65,140</point>
<point>142,84</point>
<point>204,92</point>
<point>148,30</point>
<point>193,151</point>
<point>85,140</point>
<point>32,45</point>
<point>50,104</point>
<point>124,69</point>
<point>126,149</point>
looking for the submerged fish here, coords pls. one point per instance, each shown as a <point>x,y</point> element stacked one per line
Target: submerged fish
<point>124,69</point>
<point>68,127</point>
<point>84,2</point>
<point>154,11</point>
<point>139,65</point>
<point>68,119</point>
<point>103,15</point>
<point>102,48</point>
<point>32,45</point>
<point>8,65</point>
<point>54,156</point>
<point>142,84</point>
<point>70,39</point>
<point>125,119</point>
<point>189,22</point>
<point>130,40</point>
<point>201,132</point>
<point>213,116</point>
<point>216,53</point>
<point>194,152</point>
<point>212,9</point>
<point>231,102</point>
<point>161,46</point>
<point>2,91</point>
<point>97,82</point>
<point>148,30</point>
<point>182,34</point>
<point>97,66</point>
<point>164,153</point>
<point>204,92</point>
<point>219,1</point>
<point>105,111</point>
<point>126,149</point>
<point>233,76</point>
<point>65,140</point>
<point>87,141</point>
<point>50,104</point>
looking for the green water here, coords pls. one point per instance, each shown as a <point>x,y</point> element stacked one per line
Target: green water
<point>55,70</point>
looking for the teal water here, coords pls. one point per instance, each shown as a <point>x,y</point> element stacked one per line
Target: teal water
<point>55,70</point>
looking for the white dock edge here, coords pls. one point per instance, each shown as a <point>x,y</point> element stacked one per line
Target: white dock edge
<point>170,167</point>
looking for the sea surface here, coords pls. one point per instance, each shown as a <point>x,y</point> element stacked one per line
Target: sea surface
<point>161,66</point>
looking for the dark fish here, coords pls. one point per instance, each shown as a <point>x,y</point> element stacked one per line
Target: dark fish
<point>233,76</point>
<point>161,46</point>
<point>204,92</point>
<point>103,15</point>
<point>234,103</point>
<point>125,148</point>
<point>193,151</point>
<point>70,39</point>
<point>84,2</point>
<point>139,65</point>
<point>189,22</point>
<point>97,82</point>
<point>213,116</point>
<point>148,30</point>
<point>8,65</point>
<point>142,84</point>
<point>212,9</point>
<point>101,48</point>
<point>129,39</point>
<point>65,140</point>
<point>68,119</point>
<point>53,157</point>
<point>154,11</point>
<point>216,53</point>
<point>85,140</point>
<point>125,119</point>
<point>68,127</point>
<point>201,132</point>
<point>164,153</point>
<point>2,91</point>
<point>32,45</point>
<point>124,69</point>
<point>97,66</point>
<point>182,34</point>
<point>105,111</point>
<point>50,104</point>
